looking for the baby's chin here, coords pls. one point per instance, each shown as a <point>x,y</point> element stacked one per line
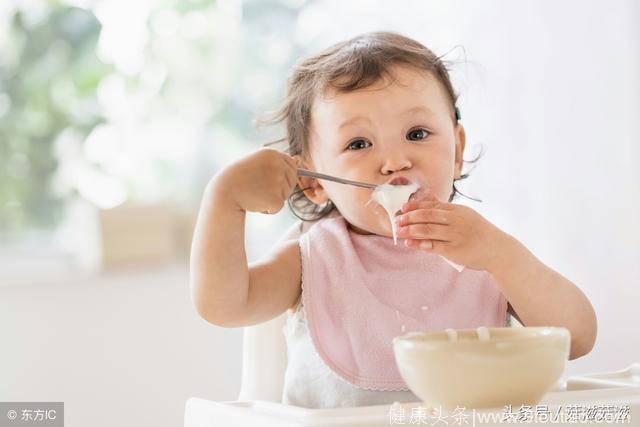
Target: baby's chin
<point>378,224</point>
<point>358,229</point>
<point>374,224</point>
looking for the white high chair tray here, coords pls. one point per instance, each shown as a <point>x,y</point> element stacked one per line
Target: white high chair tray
<point>618,389</point>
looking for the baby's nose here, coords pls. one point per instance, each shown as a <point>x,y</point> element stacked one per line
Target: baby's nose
<point>395,163</point>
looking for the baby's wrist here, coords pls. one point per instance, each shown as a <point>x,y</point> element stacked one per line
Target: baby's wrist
<point>223,194</point>
<point>506,249</point>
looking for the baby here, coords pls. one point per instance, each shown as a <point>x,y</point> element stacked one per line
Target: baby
<point>378,108</point>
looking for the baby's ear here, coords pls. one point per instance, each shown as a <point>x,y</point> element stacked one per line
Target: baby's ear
<point>460,141</point>
<point>311,187</point>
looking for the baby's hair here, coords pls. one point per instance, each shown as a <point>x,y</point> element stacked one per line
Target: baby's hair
<point>348,66</point>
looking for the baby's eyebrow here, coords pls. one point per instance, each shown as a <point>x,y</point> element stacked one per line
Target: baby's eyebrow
<point>414,110</point>
<point>352,120</point>
<point>418,109</point>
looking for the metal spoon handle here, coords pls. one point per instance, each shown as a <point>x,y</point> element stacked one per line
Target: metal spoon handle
<point>304,172</point>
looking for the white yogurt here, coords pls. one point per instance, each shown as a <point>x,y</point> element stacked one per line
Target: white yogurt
<point>452,334</point>
<point>483,333</point>
<point>391,198</point>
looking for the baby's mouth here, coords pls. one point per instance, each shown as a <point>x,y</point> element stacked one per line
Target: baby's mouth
<point>400,180</point>
<point>420,193</point>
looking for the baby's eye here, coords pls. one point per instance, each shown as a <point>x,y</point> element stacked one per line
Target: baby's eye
<point>358,144</point>
<point>417,134</point>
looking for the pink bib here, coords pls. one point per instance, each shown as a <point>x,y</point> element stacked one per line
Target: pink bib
<point>361,291</point>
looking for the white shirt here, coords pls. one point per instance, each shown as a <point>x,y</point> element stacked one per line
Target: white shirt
<point>310,383</point>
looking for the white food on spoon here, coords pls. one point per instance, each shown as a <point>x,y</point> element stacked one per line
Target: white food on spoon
<point>391,198</point>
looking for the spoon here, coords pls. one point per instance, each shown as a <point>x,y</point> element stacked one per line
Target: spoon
<point>304,172</point>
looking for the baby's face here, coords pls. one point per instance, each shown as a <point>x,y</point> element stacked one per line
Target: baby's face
<point>382,132</point>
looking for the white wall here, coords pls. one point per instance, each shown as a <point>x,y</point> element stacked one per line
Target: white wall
<point>127,349</point>
<point>560,115</point>
<point>552,92</point>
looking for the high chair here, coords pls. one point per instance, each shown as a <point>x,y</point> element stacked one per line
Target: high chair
<point>263,365</point>
<point>264,350</point>
<point>264,361</point>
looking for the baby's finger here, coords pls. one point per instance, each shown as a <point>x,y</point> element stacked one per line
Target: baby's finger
<point>287,189</point>
<point>426,204</point>
<point>273,207</point>
<point>291,161</point>
<point>298,161</point>
<point>425,231</point>
<point>291,177</point>
<point>432,246</point>
<point>431,216</point>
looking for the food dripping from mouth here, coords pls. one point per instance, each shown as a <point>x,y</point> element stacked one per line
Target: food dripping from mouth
<point>392,195</point>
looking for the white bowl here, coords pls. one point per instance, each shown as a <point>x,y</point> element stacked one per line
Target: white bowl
<point>514,366</point>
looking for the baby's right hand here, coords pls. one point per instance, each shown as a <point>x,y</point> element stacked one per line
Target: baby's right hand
<point>260,182</point>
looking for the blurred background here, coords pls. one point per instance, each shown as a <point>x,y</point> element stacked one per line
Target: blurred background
<point>114,115</point>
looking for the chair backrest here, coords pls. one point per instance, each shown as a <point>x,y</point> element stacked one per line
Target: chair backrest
<point>264,352</point>
<point>264,349</point>
<point>264,360</point>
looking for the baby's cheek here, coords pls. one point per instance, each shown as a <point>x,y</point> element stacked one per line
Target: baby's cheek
<point>446,191</point>
<point>438,189</point>
<point>347,203</point>
<point>364,213</point>
<point>442,185</point>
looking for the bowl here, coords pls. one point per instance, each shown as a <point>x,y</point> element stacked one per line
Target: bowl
<point>483,367</point>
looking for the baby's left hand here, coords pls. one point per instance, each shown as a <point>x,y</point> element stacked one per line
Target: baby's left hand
<point>456,232</point>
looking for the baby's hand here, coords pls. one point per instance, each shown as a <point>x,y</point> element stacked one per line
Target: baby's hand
<point>456,232</point>
<point>260,182</point>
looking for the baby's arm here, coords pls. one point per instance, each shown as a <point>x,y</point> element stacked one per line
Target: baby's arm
<point>226,290</point>
<point>537,295</point>
<point>541,296</point>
